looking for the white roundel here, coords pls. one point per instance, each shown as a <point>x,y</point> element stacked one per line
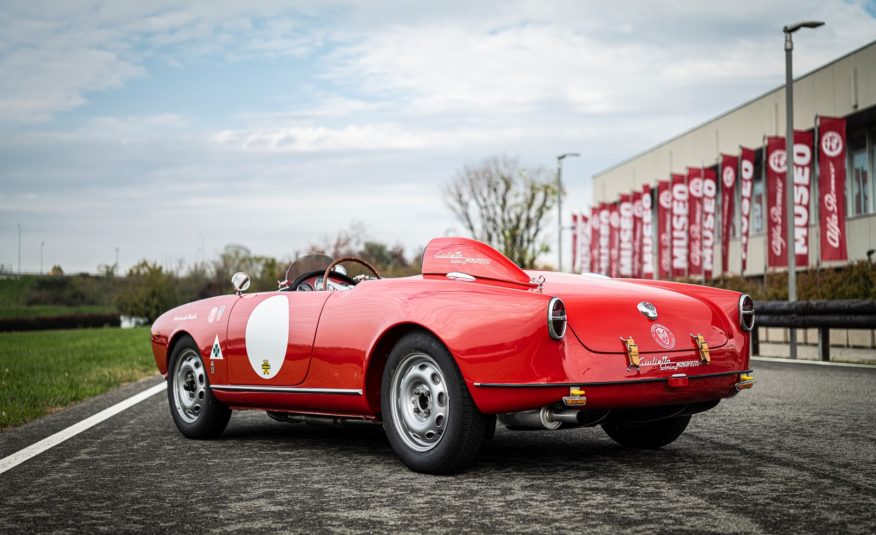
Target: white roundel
<point>729,176</point>
<point>267,334</point>
<point>831,143</point>
<point>666,199</point>
<point>778,162</point>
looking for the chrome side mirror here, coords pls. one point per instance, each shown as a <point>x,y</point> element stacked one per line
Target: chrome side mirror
<point>240,281</point>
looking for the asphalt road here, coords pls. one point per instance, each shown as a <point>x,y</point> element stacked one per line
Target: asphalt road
<point>795,454</point>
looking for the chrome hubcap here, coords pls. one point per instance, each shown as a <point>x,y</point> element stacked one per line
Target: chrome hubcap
<point>189,386</point>
<point>420,402</point>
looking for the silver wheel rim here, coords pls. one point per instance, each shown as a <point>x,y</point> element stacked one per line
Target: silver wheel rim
<point>420,402</point>
<point>189,386</point>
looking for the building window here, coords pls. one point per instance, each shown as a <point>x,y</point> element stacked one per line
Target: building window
<point>860,187</point>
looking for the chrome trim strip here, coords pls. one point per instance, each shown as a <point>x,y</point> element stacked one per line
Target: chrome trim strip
<point>289,389</point>
<point>604,383</point>
<point>460,276</point>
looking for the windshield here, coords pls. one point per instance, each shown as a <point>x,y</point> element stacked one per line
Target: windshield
<point>307,264</point>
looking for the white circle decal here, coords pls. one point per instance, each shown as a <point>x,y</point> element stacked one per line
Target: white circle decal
<point>267,334</point>
<point>729,176</point>
<point>832,144</point>
<point>778,162</point>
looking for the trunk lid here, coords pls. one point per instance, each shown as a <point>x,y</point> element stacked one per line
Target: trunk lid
<point>600,311</point>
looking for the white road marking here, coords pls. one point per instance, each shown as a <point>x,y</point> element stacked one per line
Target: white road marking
<point>10,462</point>
<point>818,362</point>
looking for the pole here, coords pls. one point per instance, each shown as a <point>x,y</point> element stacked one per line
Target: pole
<point>42,245</point>
<point>19,248</point>
<point>560,213</point>
<point>789,184</point>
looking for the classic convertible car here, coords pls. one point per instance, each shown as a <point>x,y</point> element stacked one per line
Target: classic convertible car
<point>439,357</point>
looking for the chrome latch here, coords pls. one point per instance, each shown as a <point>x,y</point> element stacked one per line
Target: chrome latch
<point>702,347</point>
<point>632,352</point>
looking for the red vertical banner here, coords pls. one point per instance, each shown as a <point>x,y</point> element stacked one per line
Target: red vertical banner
<point>695,221</point>
<point>728,196</point>
<point>584,243</point>
<point>678,230</point>
<point>746,184</point>
<point>647,251</point>
<point>637,234</point>
<point>594,240</point>
<point>710,207</point>
<point>613,251</point>
<point>802,187</point>
<point>574,243</point>
<point>777,222</point>
<point>831,187</point>
<point>664,229</point>
<point>625,243</point>
<point>604,238</point>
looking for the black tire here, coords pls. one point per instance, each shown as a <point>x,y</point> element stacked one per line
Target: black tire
<point>422,371</point>
<point>650,435</point>
<point>195,411</point>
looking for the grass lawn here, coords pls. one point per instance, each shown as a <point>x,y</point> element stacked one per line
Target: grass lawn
<point>45,370</point>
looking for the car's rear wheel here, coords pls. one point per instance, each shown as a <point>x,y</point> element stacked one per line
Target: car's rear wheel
<point>428,414</point>
<point>196,412</point>
<point>650,435</point>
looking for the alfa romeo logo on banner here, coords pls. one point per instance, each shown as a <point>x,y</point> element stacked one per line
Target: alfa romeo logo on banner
<point>831,144</point>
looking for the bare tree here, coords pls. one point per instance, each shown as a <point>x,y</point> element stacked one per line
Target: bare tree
<point>504,204</point>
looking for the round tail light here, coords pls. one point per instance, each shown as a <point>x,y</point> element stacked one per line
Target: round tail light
<point>557,318</point>
<point>746,313</point>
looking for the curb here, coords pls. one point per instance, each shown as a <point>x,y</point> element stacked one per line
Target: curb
<point>815,362</point>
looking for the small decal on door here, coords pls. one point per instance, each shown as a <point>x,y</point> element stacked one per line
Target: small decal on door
<point>216,352</point>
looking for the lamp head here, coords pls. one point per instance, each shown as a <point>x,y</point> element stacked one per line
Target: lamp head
<point>564,156</point>
<point>791,28</point>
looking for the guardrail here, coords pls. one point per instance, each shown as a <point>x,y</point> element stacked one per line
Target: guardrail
<point>821,315</point>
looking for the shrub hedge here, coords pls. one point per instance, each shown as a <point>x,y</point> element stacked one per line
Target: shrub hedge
<point>70,321</point>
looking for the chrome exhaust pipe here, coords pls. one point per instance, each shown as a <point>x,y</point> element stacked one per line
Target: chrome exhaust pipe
<point>544,418</point>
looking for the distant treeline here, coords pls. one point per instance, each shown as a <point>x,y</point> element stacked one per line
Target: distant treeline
<point>149,289</point>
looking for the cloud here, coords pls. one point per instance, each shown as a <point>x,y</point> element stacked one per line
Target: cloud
<point>310,115</point>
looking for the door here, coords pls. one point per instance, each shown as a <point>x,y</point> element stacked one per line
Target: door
<point>270,337</point>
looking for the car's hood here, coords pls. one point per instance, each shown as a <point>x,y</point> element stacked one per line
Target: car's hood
<point>601,310</point>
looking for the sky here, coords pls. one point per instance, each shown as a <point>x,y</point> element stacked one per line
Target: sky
<point>167,130</point>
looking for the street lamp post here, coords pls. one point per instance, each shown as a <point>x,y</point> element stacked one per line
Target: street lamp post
<point>789,168</point>
<point>42,245</point>
<point>560,159</point>
<point>19,248</point>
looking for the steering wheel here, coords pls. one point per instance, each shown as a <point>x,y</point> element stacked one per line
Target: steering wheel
<point>356,259</point>
<point>317,273</point>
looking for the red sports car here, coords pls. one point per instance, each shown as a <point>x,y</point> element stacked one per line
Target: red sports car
<point>439,357</point>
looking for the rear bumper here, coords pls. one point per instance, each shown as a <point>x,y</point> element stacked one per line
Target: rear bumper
<point>620,394</point>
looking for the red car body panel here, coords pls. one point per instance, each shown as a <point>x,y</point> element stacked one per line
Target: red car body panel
<point>495,327</point>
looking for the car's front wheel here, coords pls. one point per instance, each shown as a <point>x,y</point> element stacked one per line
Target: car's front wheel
<point>429,417</point>
<point>650,435</point>
<point>196,412</point>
